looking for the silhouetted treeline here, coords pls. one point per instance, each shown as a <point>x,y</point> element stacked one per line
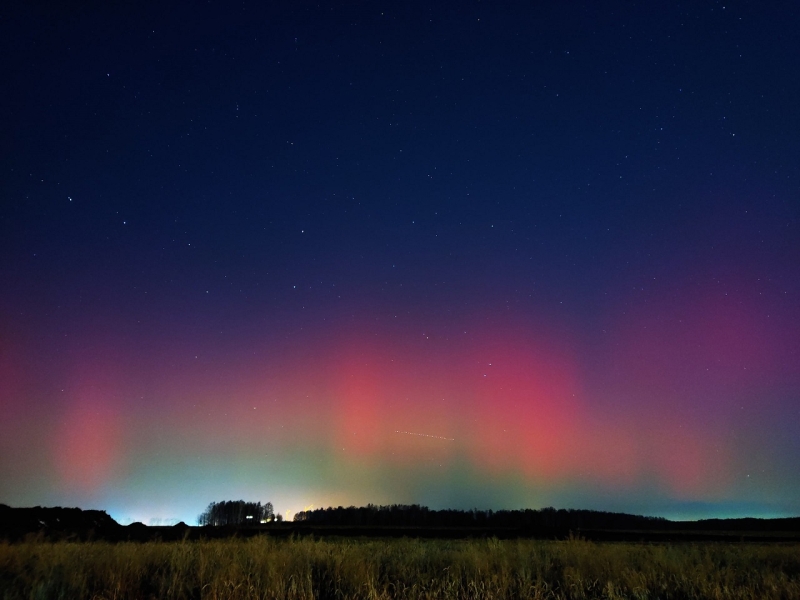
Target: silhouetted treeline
<point>237,512</point>
<point>398,515</point>
<point>527,520</point>
<point>74,524</point>
<point>58,522</point>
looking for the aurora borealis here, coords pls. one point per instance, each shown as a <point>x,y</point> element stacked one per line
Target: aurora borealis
<point>457,255</point>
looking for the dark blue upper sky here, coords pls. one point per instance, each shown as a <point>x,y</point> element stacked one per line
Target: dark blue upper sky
<point>614,139</point>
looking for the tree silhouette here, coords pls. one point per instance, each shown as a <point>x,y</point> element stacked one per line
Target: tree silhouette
<point>236,512</point>
<point>545,519</point>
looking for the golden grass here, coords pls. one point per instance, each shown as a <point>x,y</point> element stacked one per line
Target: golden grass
<point>264,567</point>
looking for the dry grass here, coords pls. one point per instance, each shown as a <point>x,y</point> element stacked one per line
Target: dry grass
<point>263,567</point>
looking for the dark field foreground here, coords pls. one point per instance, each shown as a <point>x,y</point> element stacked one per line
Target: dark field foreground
<point>263,567</point>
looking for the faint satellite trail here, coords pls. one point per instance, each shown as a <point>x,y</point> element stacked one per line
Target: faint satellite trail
<point>436,437</point>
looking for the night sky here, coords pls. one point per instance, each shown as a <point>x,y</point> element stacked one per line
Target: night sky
<point>467,254</point>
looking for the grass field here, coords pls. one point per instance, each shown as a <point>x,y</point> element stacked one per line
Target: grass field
<point>263,567</point>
